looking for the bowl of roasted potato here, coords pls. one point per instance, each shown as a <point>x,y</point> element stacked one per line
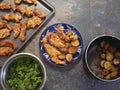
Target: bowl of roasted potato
<point>102,57</point>
<point>61,44</point>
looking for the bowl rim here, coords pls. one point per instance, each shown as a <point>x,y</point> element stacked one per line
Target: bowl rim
<point>86,53</point>
<point>20,54</point>
<point>81,40</point>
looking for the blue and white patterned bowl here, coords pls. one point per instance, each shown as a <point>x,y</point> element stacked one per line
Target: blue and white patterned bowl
<point>53,28</point>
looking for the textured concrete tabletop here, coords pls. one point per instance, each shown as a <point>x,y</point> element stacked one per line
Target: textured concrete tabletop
<point>92,18</point>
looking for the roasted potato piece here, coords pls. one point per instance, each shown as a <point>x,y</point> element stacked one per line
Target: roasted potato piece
<point>102,63</point>
<point>102,44</point>
<point>105,72</point>
<point>103,56</point>
<point>106,46</point>
<point>114,74</point>
<point>69,32</point>
<point>117,54</point>
<point>112,68</point>
<point>109,56</point>
<point>73,37</point>
<point>72,50</point>
<point>75,43</point>
<point>63,50</point>
<point>116,61</point>
<point>112,49</point>
<point>107,65</point>
<point>69,57</point>
<point>108,77</point>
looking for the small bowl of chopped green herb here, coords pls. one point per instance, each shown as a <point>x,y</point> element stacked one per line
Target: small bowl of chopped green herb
<point>23,71</point>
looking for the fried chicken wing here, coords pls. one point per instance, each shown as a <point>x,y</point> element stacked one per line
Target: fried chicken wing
<point>51,51</point>
<point>16,30</point>
<point>39,13</point>
<point>8,43</point>
<point>28,11</point>
<point>54,40</point>
<point>33,22</point>
<point>5,5</point>
<point>57,61</point>
<point>17,1</point>
<point>4,33</point>
<point>23,30</point>
<point>12,17</point>
<point>4,24</point>
<point>6,51</point>
<point>62,35</point>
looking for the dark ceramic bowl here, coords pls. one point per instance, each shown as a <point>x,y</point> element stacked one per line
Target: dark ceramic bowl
<point>92,57</point>
<point>53,28</point>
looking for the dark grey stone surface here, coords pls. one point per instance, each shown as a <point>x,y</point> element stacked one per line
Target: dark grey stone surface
<point>92,18</point>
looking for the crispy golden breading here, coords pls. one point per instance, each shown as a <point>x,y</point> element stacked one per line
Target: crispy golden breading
<point>16,29</point>
<point>12,17</point>
<point>4,24</point>
<point>6,51</point>
<point>31,1</point>
<point>62,35</point>
<point>23,30</point>
<point>4,33</point>
<point>14,7</point>
<point>21,9</point>
<point>51,50</point>
<point>54,39</point>
<point>39,13</point>
<point>8,43</point>
<point>33,22</point>
<point>57,61</point>
<point>28,11</point>
<point>5,5</point>
<point>17,1</point>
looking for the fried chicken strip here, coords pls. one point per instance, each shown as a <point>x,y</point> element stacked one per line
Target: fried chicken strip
<point>33,22</point>
<point>54,40</point>
<point>17,1</point>
<point>12,17</point>
<point>62,35</point>
<point>4,33</point>
<point>31,1</point>
<point>51,51</point>
<point>57,61</point>
<point>4,24</point>
<point>16,30</point>
<point>6,51</point>
<point>39,13</point>
<point>5,5</point>
<point>23,30</point>
<point>8,43</point>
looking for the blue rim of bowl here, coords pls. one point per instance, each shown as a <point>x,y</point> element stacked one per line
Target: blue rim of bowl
<point>52,28</point>
<point>86,60</point>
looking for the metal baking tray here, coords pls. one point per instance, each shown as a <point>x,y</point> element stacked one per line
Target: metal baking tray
<point>41,4</point>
